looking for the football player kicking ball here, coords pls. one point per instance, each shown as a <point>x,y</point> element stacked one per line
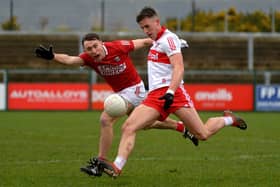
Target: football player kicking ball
<point>166,94</point>
<point>111,61</point>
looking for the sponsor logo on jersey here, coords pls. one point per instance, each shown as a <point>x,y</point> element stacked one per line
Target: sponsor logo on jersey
<point>110,70</point>
<point>153,55</point>
<point>117,59</point>
<point>156,56</point>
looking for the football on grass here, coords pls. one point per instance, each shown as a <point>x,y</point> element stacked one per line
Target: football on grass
<point>115,105</point>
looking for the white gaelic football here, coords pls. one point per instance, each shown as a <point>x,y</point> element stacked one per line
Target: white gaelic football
<point>115,105</point>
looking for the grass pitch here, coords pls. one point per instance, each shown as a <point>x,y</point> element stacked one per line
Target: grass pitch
<point>48,148</point>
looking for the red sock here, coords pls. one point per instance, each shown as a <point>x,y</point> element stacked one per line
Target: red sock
<point>180,127</point>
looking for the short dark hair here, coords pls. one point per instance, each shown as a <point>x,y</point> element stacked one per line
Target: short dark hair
<point>90,36</point>
<point>146,12</point>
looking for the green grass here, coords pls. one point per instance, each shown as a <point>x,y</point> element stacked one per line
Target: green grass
<point>48,148</point>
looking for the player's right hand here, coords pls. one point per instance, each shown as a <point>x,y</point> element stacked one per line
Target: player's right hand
<point>44,53</point>
<point>168,97</point>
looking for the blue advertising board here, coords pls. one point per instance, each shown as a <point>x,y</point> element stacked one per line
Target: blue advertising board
<point>267,97</point>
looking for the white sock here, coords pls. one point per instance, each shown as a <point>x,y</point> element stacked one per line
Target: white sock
<point>228,121</point>
<point>119,162</point>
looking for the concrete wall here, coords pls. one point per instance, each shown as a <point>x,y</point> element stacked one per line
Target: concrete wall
<point>206,52</point>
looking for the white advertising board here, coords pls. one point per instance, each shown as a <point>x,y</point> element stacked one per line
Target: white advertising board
<point>2,96</point>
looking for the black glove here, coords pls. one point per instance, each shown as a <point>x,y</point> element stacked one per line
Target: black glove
<point>44,53</point>
<point>168,97</point>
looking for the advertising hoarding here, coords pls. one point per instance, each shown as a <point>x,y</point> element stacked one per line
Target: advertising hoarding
<point>75,96</point>
<point>48,96</point>
<point>218,97</point>
<point>208,97</point>
<point>99,94</point>
<point>267,97</point>
<point>2,96</point>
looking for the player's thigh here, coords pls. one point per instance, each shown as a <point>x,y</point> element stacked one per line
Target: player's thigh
<point>134,94</point>
<point>141,117</point>
<point>191,119</point>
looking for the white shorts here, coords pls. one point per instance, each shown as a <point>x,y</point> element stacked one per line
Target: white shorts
<point>134,94</point>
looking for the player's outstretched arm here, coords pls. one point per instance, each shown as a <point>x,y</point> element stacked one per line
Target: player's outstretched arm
<point>140,43</point>
<point>147,42</point>
<point>48,54</point>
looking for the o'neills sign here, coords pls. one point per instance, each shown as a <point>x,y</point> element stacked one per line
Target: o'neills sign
<point>219,94</point>
<point>48,96</point>
<point>218,97</point>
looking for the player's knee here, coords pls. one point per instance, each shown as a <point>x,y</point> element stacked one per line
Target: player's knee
<point>202,137</point>
<point>127,129</point>
<point>105,122</point>
<point>150,126</point>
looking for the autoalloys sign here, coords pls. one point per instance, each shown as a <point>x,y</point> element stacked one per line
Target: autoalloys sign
<point>2,96</point>
<point>48,96</point>
<point>267,97</point>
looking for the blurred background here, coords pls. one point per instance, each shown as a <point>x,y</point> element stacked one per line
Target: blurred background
<point>232,44</point>
<point>119,15</point>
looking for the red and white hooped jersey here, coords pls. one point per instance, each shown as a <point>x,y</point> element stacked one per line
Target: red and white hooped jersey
<point>159,67</point>
<point>116,68</point>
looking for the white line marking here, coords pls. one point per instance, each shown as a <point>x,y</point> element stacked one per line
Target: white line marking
<point>240,157</point>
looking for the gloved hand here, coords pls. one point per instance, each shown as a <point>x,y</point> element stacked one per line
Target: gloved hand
<point>44,53</point>
<point>168,97</point>
<point>184,43</point>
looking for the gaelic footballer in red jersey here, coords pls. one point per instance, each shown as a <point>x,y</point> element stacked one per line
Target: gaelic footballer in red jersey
<point>112,62</point>
<point>115,66</point>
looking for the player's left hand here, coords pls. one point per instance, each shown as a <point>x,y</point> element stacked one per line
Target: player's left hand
<point>184,43</point>
<point>168,97</point>
<point>44,53</point>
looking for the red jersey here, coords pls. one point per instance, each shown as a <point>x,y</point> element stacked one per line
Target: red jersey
<point>116,68</point>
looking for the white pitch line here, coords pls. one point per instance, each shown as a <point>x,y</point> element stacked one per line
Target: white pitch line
<point>240,157</point>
